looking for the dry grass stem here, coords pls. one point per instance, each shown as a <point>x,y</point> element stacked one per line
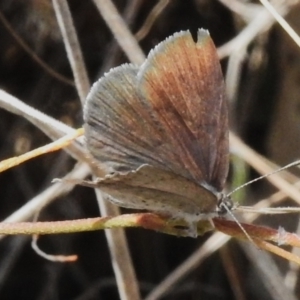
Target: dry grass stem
<point>75,57</point>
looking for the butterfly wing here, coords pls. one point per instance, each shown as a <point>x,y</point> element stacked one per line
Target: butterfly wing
<point>170,113</point>
<point>161,191</point>
<point>182,81</point>
<point>121,131</point>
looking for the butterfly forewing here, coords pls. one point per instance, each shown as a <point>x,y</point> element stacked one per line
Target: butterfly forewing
<point>182,81</point>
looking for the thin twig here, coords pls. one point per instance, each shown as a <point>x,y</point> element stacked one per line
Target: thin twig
<point>54,146</point>
<point>153,15</point>
<point>54,258</point>
<point>114,49</point>
<point>121,260</point>
<point>244,9</point>
<point>262,22</point>
<point>50,126</point>
<point>68,32</point>
<point>53,192</point>
<point>233,73</point>
<point>40,252</point>
<point>120,30</point>
<point>283,23</point>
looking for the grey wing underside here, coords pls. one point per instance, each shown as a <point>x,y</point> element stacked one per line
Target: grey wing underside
<point>160,191</point>
<point>121,131</point>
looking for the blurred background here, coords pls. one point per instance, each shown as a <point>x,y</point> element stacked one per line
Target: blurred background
<point>263,82</point>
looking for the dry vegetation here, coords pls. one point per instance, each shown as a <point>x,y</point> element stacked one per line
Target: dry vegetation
<point>261,64</point>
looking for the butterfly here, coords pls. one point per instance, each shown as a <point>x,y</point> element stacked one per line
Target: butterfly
<point>160,131</point>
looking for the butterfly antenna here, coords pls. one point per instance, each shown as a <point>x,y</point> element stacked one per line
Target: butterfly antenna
<point>236,220</point>
<point>295,163</point>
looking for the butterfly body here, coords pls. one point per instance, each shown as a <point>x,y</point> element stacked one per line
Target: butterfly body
<point>162,130</point>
